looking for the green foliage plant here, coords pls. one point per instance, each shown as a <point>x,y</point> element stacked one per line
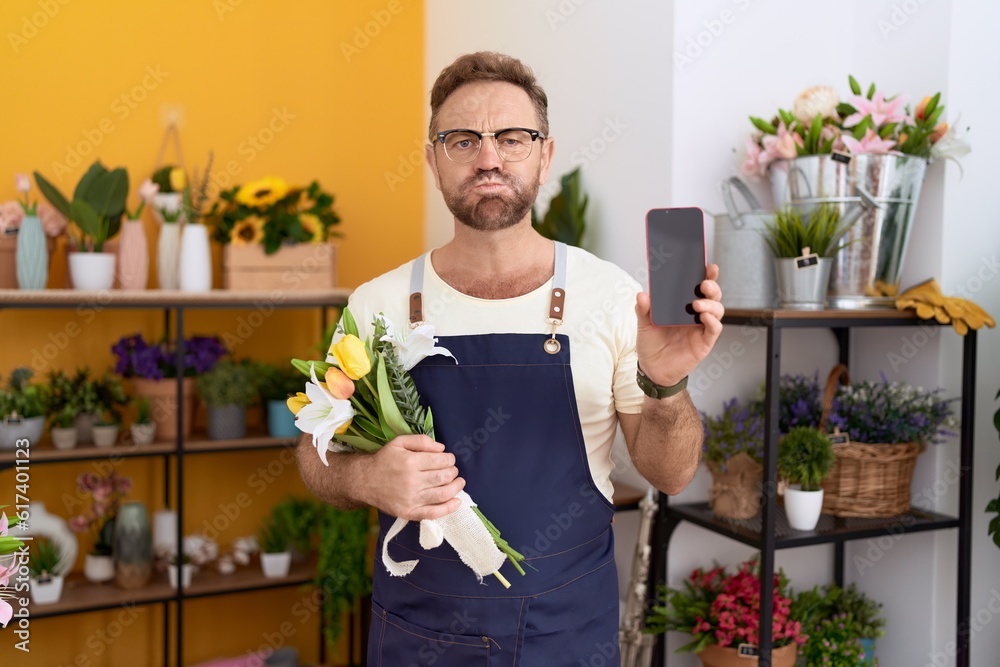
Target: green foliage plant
<point>44,559</point>
<point>228,383</point>
<point>566,218</point>
<point>820,230</point>
<point>97,206</point>
<point>21,397</point>
<point>805,456</point>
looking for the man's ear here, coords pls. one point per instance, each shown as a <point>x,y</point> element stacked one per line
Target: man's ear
<point>548,148</point>
<point>431,156</point>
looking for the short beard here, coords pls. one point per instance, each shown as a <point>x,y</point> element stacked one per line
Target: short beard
<point>492,212</point>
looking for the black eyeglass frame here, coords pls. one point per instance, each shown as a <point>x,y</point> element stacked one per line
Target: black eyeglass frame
<point>535,134</point>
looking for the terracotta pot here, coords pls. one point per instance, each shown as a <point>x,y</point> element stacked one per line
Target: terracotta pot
<point>162,395</point>
<point>735,492</point>
<point>728,656</point>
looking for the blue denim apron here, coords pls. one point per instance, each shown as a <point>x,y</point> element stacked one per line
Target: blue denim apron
<point>508,412</point>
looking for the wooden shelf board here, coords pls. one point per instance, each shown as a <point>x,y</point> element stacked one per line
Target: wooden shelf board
<point>199,442</point>
<point>157,298</point>
<point>44,451</point>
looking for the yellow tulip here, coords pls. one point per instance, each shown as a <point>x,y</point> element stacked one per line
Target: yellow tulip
<point>352,357</point>
<point>337,382</point>
<point>178,179</point>
<point>297,402</point>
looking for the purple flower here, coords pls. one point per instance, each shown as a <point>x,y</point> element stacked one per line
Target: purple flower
<point>137,358</point>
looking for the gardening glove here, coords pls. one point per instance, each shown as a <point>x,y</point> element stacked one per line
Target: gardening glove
<point>882,288</point>
<point>928,302</point>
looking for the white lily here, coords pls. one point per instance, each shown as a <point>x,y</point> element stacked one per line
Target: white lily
<point>413,348</point>
<point>951,147</point>
<point>324,417</point>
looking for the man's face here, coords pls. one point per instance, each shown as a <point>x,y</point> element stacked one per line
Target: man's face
<point>489,193</point>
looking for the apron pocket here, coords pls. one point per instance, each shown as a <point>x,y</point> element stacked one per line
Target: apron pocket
<point>394,642</point>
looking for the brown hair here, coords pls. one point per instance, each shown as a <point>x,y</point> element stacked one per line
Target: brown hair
<point>488,66</point>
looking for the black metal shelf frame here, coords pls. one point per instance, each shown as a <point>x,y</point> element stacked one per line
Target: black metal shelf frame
<point>175,325</point>
<point>769,531</point>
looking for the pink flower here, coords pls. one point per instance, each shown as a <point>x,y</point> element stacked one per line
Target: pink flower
<point>6,613</point>
<point>871,143</point>
<point>53,222</point>
<point>5,573</point>
<point>4,524</point>
<point>755,164</point>
<point>79,524</point>
<point>878,108</point>
<point>782,144</point>
<point>11,215</point>
<point>22,182</point>
<point>832,132</point>
<point>148,190</point>
<point>88,481</point>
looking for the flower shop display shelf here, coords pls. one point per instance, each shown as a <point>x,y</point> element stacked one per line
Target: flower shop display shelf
<point>769,529</point>
<point>79,596</point>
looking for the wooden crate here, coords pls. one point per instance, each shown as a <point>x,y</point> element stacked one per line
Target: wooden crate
<point>303,266</point>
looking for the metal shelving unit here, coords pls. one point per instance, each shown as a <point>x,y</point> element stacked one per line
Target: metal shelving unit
<point>81,597</point>
<point>769,530</point>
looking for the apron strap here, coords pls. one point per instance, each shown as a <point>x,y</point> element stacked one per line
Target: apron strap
<point>557,297</point>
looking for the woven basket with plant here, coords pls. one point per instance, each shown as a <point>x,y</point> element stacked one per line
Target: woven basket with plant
<point>888,424</point>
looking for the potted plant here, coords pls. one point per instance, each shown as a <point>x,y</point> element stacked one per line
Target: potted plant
<point>152,368</point>
<point>275,554</point>
<point>342,539</point>
<point>842,623</point>
<point>269,228</point>
<point>195,257</point>
<point>23,409</point>
<point>275,384</point>
<point>733,449</point>
<point>805,457</point>
<point>794,237</point>
<point>870,150</point>
<point>96,212</point>
<point>168,211</point>
<point>143,429</point>
<point>105,432</point>
<point>64,407</point>
<point>722,610</point>
<point>228,390</point>
<point>181,564</point>
<point>46,577</point>
<point>107,493</point>
<point>565,220</point>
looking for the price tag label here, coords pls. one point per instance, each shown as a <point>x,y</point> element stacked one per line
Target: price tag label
<point>838,438</point>
<point>806,259</point>
<point>843,158</point>
<point>747,651</point>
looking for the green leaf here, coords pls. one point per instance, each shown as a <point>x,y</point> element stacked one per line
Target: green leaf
<point>54,196</point>
<point>85,183</point>
<point>932,119</point>
<point>371,428</point>
<point>763,125</point>
<point>814,130</point>
<point>887,130</point>
<point>996,420</point>
<point>389,412</point>
<point>992,506</point>
<point>565,219</point>
<point>844,109</point>
<point>87,219</point>
<point>871,90</point>
<point>429,430</point>
<point>855,86</point>
<point>787,117</point>
<point>302,366</point>
<point>862,127</point>
<point>932,105</point>
<point>348,322</point>
<point>359,443</point>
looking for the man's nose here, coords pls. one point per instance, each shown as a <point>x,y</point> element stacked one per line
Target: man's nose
<point>489,158</point>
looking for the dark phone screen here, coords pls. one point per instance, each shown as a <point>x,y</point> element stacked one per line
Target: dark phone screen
<point>675,252</point>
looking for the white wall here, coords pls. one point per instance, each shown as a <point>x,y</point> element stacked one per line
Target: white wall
<point>683,127</point>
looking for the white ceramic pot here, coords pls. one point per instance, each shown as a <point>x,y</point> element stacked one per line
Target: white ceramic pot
<point>64,438</point>
<point>803,507</point>
<point>98,569</point>
<point>275,566</point>
<point>195,273</point>
<point>187,572</point>
<point>44,524</point>
<point>46,592</point>
<point>143,434</point>
<point>105,435</point>
<point>92,270</point>
<point>29,429</point>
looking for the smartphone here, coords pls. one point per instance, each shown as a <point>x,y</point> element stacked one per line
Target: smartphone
<point>676,258</point>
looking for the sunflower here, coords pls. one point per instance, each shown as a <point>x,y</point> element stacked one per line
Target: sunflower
<point>312,225</point>
<point>261,194</point>
<point>248,231</point>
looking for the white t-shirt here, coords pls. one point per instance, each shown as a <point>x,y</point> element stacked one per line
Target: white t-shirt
<point>599,319</point>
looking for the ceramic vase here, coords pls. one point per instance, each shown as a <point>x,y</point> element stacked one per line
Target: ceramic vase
<point>46,591</point>
<point>92,270</point>
<point>133,256</point>
<point>168,255</point>
<point>64,438</point>
<point>803,507</point>
<point>280,420</point>
<point>275,566</point>
<point>195,259</point>
<point>227,422</point>
<point>97,569</point>
<point>133,546</point>
<point>32,254</point>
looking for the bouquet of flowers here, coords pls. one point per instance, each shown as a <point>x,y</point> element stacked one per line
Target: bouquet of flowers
<point>820,123</point>
<point>366,399</point>
<point>8,545</point>
<point>891,412</point>
<point>270,212</point>
<point>134,357</point>
<point>724,609</point>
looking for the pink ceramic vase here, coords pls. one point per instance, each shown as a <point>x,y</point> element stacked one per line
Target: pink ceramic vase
<point>133,256</point>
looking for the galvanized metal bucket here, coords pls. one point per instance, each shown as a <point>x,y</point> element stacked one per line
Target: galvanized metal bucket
<point>887,187</point>
<point>746,265</point>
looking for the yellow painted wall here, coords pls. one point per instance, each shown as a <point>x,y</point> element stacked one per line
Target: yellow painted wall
<point>304,89</point>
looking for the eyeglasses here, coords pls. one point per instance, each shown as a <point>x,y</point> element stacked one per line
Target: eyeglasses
<point>513,144</point>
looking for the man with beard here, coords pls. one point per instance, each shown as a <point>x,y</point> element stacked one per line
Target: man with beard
<point>548,341</point>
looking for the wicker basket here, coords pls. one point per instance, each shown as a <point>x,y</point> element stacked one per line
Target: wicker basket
<point>867,480</point>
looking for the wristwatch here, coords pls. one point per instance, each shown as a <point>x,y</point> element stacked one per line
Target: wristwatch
<point>654,390</point>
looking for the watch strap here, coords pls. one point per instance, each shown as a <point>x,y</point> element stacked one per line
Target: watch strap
<point>658,391</point>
